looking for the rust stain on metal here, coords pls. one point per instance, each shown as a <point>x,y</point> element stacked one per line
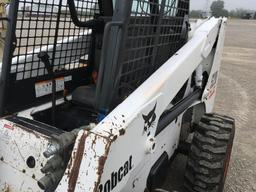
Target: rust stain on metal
<point>7,188</point>
<point>94,141</point>
<point>102,161</point>
<point>76,165</point>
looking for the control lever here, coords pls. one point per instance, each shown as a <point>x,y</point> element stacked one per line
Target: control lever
<point>97,24</point>
<point>45,58</point>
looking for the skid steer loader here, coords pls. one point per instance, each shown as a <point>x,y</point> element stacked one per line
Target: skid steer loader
<point>100,95</point>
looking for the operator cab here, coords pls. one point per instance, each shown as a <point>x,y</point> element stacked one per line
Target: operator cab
<point>54,44</point>
<point>68,64</point>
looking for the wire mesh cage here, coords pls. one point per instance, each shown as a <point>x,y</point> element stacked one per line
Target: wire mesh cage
<point>46,25</point>
<point>154,34</point>
<point>151,32</point>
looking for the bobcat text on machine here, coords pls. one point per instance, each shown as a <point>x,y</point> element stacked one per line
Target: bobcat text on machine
<point>99,96</point>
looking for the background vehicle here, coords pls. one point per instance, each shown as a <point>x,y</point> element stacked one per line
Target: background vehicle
<point>101,96</point>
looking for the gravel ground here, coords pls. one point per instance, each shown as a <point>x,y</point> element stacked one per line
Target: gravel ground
<point>236,97</point>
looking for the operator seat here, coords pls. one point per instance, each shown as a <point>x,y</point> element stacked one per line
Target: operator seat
<point>85,96</point>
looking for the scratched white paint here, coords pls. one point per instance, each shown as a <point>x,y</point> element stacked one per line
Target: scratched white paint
<point>16,145</point>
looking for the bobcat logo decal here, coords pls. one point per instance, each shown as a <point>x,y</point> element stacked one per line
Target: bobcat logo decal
<point>149,120</point>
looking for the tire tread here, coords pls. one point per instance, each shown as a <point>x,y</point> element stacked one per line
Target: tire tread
<point>205,167</point>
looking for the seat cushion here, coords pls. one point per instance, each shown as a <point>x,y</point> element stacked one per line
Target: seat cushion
<point>85,95</point>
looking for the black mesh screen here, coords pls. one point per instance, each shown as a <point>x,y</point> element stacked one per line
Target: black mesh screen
<point>45,25</point>
<point>153,35</point>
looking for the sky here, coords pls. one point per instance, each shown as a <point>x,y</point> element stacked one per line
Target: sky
<point>229,4</point>
<point>202,4</point>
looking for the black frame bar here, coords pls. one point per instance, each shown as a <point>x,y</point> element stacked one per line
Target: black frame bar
<point>106,8</point>
<point>170,115</point>
<point>8,52</point>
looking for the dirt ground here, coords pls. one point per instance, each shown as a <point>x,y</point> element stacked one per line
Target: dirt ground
<point>236,97</point>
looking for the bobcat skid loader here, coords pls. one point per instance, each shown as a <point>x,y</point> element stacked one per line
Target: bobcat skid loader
<point>99,96</point>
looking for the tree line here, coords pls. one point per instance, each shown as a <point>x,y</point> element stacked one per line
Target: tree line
<point>218,10</point>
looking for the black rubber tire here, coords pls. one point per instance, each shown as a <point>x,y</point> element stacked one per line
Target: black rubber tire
<point>209,155</point>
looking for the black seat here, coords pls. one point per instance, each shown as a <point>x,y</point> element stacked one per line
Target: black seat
<point>85,95</point>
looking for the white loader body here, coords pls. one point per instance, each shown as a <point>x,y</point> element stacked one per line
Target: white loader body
<point>117,154</point>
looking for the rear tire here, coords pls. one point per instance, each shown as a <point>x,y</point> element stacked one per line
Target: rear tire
<point>209,155</point>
